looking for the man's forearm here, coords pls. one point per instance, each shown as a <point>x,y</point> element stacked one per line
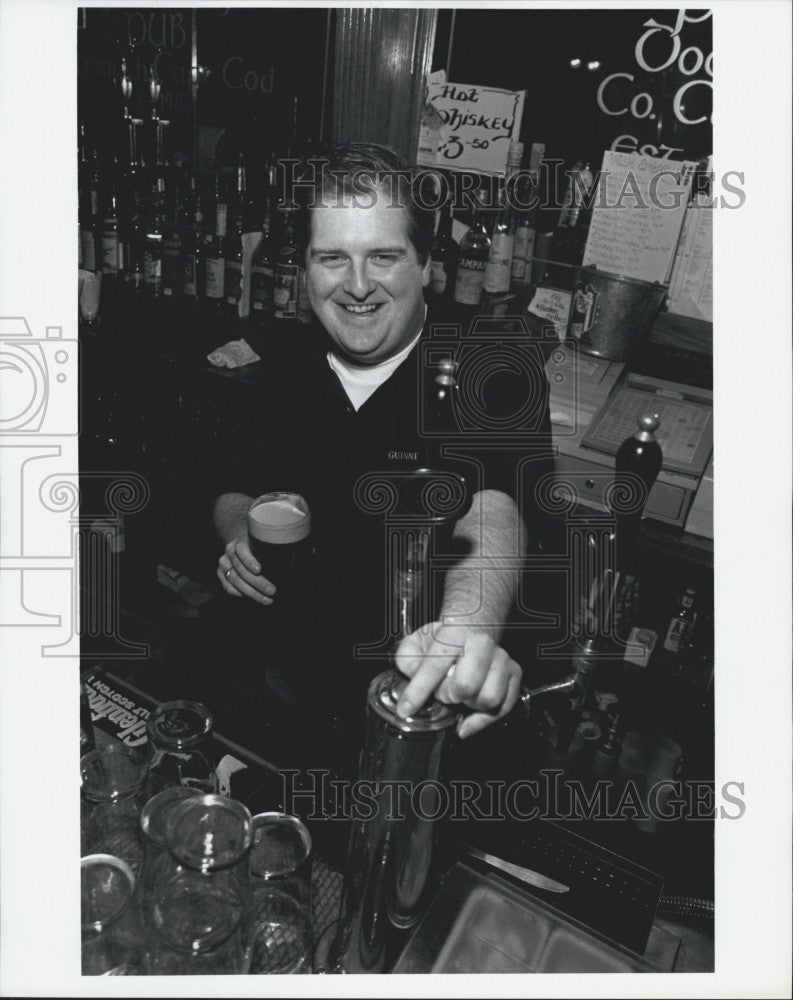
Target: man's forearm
<point>480,590</point>
<point>231,516</point>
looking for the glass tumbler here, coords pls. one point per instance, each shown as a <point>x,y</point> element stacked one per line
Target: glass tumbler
<point>278,928</point>
<point>179,734</point>
<point>112,940</point>
<point>198,905</point>
<point>157,860</point>
<point>112,781</point>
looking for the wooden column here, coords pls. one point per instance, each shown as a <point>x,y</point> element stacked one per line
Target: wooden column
<point>383,57</point>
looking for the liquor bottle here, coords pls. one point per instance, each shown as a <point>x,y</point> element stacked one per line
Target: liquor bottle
<point>192,227</point>
<point>132,241</point>
<point>525,236</point>
<point>234,253</point>
<point>155,231</point>
<point>681,627</point>
<point>286,267</point>
<point>578,187</point>
<point>638,461</point>
<point>498,270</point>
<point>474,252</point>
<point>90,254</point>
<point>572,227</point>
<point>130,232</point>
<point>172,242</point>
<point>444,254</point>
<point>262,272</point>
<point>112,249</point>
<point>215,253</point>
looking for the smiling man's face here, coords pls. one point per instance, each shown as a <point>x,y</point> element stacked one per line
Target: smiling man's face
<point>364,279</point>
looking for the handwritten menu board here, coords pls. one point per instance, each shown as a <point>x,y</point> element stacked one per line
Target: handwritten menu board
<point>691,284</point>
<point>639,206</point>
<point>475,126</point>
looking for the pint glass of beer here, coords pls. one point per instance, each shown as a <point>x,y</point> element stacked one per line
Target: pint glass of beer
<point>279,530</point>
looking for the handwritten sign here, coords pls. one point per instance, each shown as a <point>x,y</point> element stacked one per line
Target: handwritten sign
<point>553,305</point>
<point>691,284</point>
<point>639,206</point>
<point>477,126</point>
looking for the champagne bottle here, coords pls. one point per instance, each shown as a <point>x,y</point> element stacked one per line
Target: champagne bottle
<point>474,252</point>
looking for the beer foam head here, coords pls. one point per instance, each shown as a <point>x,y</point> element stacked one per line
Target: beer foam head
<point>279,518</point>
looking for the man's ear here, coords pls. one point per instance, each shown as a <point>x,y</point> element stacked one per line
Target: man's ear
<point>426,271</point>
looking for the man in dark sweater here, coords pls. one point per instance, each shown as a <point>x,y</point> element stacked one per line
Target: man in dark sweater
<point>347,414</point>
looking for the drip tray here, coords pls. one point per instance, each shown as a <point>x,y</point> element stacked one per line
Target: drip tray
<point>480,923</point>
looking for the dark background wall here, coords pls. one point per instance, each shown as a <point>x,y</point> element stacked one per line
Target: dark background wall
<point>531,50</point>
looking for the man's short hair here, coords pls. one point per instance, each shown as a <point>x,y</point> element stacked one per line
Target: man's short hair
<point>355,168</point>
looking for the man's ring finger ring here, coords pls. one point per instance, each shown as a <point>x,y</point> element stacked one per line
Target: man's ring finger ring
<point>228,572</point>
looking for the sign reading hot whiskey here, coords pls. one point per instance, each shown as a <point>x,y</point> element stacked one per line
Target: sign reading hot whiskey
<point>474,124</point>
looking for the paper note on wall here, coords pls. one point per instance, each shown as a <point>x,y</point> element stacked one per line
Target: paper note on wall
<point>639,206</point>
<point>478,124</point>
<point>691,284</point>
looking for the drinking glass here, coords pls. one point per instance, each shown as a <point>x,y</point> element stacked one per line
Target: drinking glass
<point>278,928</point>
<point>112,941</point>
<point>112,781</point>
<point>198,906</point>
<point>179,734</point>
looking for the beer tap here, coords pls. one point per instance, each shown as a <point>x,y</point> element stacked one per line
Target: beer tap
<point>638,462</point>
<point>389,853</point>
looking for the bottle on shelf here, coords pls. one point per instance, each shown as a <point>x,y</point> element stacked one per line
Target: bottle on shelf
<point>172,241</point>
<point>262,271</point>
<point>155,232</point>
<point>525,239</point>
<point>569,239</point>
<point>234,249</point>
<point>286,268</point>
<point>88,172</point>
<point>474,252</point>
<point>214,258</point>
<point>444,254</point>
<point>498,270</point>
<point>681,627</point>
<point>112,249</point>
<point>130,223</point>
<point>192,228</point>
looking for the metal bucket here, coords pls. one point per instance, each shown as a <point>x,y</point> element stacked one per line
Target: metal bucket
<point>611,315</point>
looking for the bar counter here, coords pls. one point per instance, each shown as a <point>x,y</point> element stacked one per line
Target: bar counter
<point>153,404</point>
